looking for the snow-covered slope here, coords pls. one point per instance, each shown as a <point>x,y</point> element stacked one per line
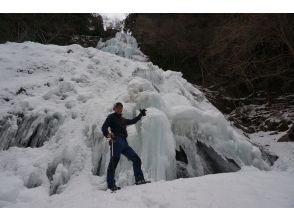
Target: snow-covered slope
<point>53,102</point>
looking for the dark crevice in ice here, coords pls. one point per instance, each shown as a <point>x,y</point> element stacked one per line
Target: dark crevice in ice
<point>181,155</point>
<point>213,162</point>
<point>99,167</point>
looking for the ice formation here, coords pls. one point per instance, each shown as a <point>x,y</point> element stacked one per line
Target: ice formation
<point>51,133</point>
<point>123,45</point>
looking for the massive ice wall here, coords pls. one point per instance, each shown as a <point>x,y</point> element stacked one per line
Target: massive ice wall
<point>52,132</point>
<point>180,119</point>
<point>181,124</point>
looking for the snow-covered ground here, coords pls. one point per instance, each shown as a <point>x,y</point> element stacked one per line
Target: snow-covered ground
<point>53,102</point>
<point>284,150</point>
<point>247,188</point>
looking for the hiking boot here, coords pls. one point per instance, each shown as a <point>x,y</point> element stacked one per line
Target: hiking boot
<point>140,182</point>
<point>114,188</point>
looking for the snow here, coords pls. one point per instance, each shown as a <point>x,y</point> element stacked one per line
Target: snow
<point>247,188</point>
<point>284,150</point>
<point>53,153</point>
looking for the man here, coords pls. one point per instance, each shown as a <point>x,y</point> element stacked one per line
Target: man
<point>118,126</point>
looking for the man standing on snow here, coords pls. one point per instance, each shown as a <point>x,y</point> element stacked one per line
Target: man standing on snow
<point>118,126</point>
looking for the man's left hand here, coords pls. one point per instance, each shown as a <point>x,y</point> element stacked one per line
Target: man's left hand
<point>143,112</point>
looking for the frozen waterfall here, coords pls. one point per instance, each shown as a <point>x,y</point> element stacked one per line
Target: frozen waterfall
<point>55,125</point>
<point>177,120</point>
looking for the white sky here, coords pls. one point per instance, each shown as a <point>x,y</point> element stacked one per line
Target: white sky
<point>150,6</point>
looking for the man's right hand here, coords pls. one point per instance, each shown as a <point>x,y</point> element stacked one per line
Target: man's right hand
<point>110,135</point>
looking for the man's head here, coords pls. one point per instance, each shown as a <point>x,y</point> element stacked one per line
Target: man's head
<point>118,107</point>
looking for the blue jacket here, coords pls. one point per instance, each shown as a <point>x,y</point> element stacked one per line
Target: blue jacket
<point>118,124</point>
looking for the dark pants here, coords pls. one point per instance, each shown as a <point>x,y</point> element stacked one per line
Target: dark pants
<point>121,146</point>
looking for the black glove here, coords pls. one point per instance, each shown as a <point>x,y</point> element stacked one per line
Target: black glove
<point>143,112</point>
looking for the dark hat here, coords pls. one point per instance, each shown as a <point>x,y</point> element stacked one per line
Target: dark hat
<point>118,104</point>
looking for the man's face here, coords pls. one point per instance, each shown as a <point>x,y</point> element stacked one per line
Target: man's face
<point>118,109</point>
